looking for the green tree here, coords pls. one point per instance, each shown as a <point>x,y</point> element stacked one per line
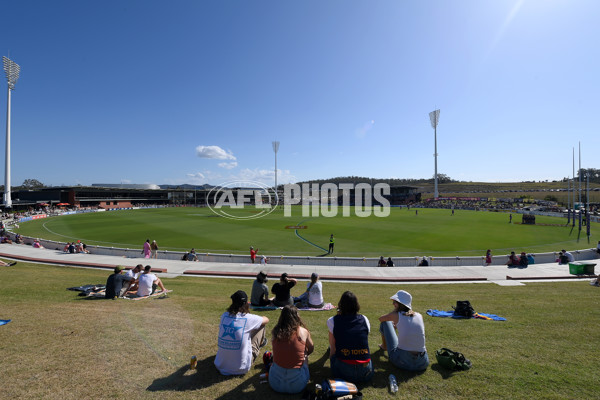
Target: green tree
<point>32,184</point>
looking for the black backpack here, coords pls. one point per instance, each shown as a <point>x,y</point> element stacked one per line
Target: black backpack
<point>463,309</point>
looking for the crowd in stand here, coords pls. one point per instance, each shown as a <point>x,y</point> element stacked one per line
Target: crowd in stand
<point>462,204</point>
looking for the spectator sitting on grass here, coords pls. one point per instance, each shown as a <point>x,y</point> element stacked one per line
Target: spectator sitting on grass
<point>281,290</point>
<point>313,297</point>
<point>292,344</point>
<point>114,283</point>
<point>5,264</point>
<point>241,336</point>
<point>260,292</point>
<point>147,283</point>
<point>134,274</point>
<point>349,354</point>
<point>406,343</point>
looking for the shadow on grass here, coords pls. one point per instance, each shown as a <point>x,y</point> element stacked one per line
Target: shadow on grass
<point>206,375</point>
<point>183,379</point>
<point>384,368</point>
<point>318,370</point>
<point>445,373</point>
<point>89,298</point>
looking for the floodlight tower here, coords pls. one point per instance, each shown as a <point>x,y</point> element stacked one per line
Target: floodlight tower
<point>434,116</point>
<point>275,149</point>
<point>12,70</point>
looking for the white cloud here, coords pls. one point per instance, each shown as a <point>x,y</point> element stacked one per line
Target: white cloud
<point>228,165</point>
<point>214,152</point>
<point>197,175</point>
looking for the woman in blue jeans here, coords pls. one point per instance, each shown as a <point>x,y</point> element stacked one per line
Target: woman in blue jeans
<point>292,344</point>
<point>349,354</point>
<point>406,344</point>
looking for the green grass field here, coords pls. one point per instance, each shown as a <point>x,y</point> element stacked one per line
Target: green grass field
<point>61,346</point>
<point>432,232</point>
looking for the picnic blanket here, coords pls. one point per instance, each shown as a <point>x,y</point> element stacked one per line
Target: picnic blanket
<point>4,321</point>
<point>155,294</point>
<point>326,306</point>
<point>87,289</point>
<point>129,296</point>
<point>438,313</point>
<point>100,290</point>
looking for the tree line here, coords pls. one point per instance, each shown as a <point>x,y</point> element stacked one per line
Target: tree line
<point>442,178</point>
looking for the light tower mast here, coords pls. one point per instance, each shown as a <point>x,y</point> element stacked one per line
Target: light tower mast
<point>12,70</point>
<point>434,117</point>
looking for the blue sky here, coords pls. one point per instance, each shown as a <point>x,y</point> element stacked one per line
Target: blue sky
<point>195,91</point>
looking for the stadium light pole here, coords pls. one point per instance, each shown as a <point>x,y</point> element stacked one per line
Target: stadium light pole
<point>12,70</point>
<point>275,149</point>
<point>434,117</point>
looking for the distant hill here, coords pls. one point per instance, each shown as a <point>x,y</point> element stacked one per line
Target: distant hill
<point>187,186</point>
<point>553,190</point>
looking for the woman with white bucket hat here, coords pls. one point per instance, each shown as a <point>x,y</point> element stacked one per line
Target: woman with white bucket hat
<point>406,345</point>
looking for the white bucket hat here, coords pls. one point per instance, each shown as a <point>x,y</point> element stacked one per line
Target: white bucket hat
<point>403,297</point>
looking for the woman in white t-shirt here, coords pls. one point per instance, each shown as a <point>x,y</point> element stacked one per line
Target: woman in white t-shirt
<point>405,345</point>
<point>241,336</point>
<point>313,297</point>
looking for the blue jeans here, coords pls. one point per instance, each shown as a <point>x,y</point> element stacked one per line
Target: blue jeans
<point>402,358</point>
<point>354,373</point>
<point>292,380</point>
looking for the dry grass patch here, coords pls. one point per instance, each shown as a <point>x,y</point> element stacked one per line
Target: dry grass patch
<point>63,346</point>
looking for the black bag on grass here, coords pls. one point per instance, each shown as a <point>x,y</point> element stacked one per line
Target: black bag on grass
<point>464,309</point>
<point>452,360</point>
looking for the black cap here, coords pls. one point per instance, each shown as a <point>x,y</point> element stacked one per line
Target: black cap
<point>314,275</point>
<point>240,297</point>
<point>262,277</point>
<point>284,275</point>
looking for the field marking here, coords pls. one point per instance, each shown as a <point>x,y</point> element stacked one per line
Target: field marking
<point>80,238</point>
<point>306,240</point>
<point>230,251</point>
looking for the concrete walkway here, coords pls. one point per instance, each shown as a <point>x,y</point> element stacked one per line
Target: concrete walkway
<point>501,275</point>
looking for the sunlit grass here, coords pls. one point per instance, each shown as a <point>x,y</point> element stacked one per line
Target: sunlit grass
<point>402,233</point>
<point>59,345</point>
